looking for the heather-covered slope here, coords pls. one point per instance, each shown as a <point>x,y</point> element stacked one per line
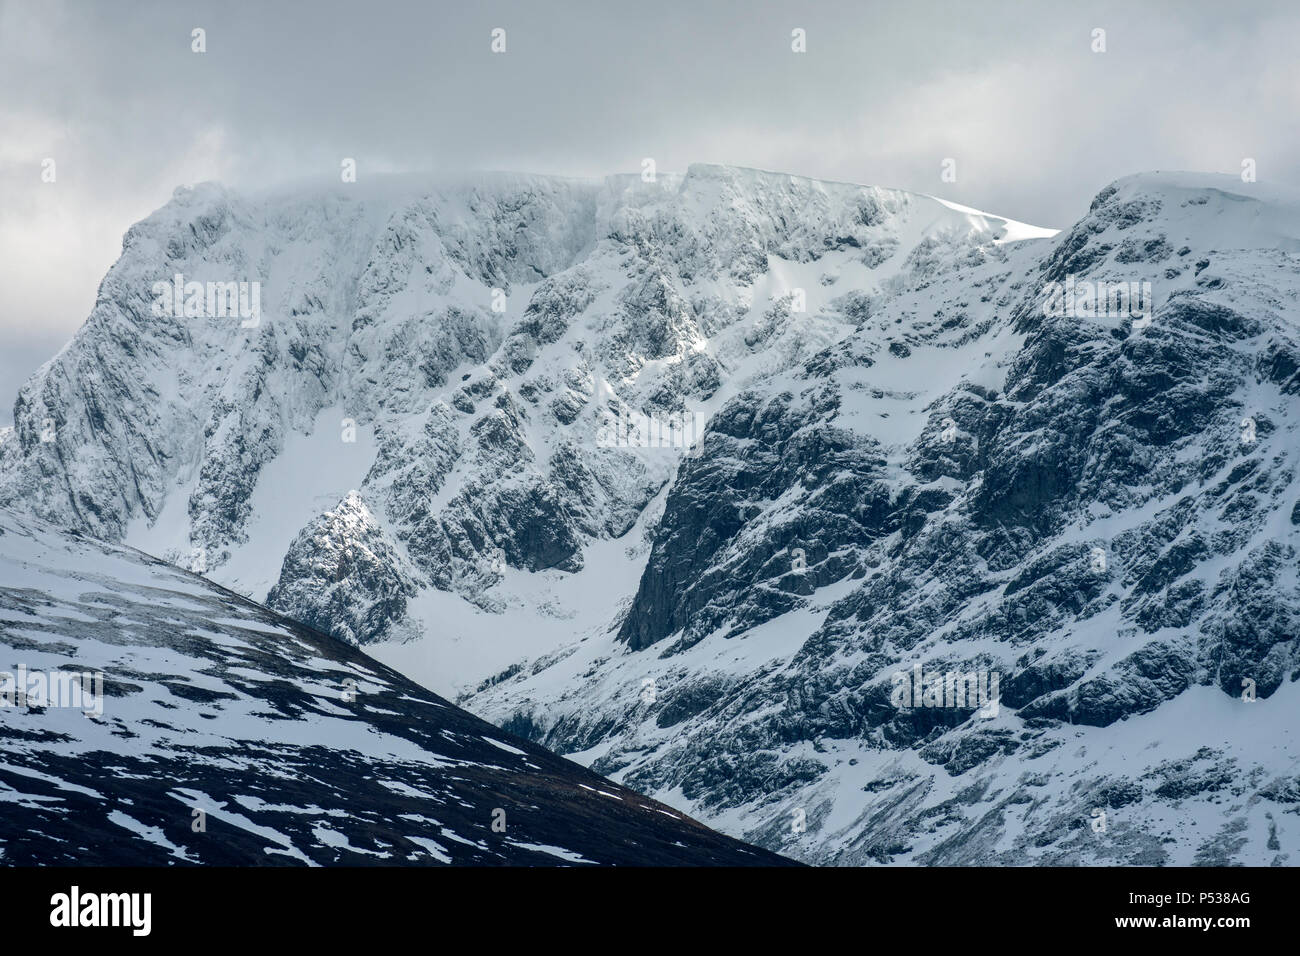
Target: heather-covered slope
<point>227,734</point>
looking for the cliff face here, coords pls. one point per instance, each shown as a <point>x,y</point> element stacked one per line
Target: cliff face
<point>1056,470</point>
<point>987,479</point>
<point>463,362</point>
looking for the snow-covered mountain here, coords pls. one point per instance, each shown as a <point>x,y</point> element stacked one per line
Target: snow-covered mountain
<point>203,728</point>
<point>1099,511</point>
<point>452,352</point>
<point>927,449</point>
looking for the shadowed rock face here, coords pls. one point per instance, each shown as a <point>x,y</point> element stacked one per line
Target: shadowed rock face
<point>293,747</point>
<point>1093,508</point>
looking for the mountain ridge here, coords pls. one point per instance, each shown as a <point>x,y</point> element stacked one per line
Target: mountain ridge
<point>174,391</point>
<point>913,457</point>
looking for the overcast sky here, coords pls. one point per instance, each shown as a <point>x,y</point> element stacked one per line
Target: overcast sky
<point>1036,121</point>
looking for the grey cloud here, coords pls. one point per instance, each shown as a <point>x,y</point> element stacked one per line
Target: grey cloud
<point>1012,91</point>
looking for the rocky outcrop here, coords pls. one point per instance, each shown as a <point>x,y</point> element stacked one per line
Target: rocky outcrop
<point>344,577</point>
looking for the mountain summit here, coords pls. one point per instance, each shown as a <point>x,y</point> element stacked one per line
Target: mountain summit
<point>413,418</point>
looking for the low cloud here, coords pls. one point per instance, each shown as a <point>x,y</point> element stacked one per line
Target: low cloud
<point>1035,120</point>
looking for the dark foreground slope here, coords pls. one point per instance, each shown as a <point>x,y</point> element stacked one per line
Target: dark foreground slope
<point>230,735</point>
